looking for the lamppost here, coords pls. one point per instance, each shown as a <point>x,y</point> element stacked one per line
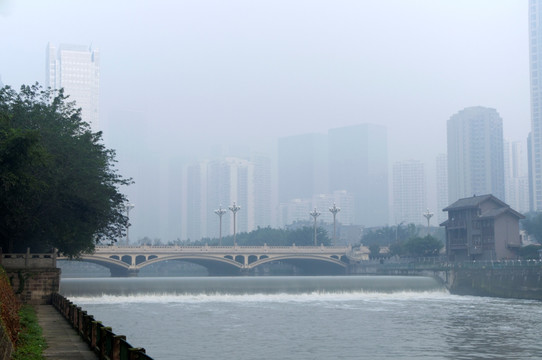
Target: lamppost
<point>129,207</point>
<point>314,214</point>
<point>234,209</point>
<point>334,210</point>
<point>220,212</point>
<point>428,215</point>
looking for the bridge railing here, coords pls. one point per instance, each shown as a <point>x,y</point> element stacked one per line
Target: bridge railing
<point>101,339</point>
<point>192,248</point>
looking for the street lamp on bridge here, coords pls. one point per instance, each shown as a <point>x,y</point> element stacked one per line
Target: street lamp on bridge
<point>334,210</point>
<point>220,212</point>
<point>234,209</point>
<point>314,214</point>
<point>428,215</point>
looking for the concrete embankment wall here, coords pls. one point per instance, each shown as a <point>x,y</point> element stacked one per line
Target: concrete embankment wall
<point>508,282</point>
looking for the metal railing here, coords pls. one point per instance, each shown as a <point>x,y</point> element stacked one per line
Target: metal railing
<point>101,339</point>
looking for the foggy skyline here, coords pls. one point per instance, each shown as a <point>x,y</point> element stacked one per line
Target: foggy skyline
<point>200,74</point>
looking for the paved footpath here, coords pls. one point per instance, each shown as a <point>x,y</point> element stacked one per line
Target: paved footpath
<point>62,340</point>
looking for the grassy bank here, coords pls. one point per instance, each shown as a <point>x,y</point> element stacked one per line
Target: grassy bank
<point>30,343</point>
<point>20,323</point>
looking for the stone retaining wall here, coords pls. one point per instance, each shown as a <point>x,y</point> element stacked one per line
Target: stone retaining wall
<point>34,286</point>
<point>520,283</point>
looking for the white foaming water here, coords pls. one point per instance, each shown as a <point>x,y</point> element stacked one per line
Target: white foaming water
<point>261,298</point>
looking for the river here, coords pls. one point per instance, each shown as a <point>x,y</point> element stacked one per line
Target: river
<point>343,317</point>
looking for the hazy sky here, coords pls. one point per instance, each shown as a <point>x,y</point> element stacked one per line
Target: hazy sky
<point>214,72</point>
<point>232,70</point>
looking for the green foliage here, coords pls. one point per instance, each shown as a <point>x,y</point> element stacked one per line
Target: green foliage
<point>397,248</point>
<point>30,344</point>
<point>374,251</point>
<point>388,235</point>
<point>274,237</point>
<point>422,247</point>
<point>532,224</point>
<point>529,252</point>
<point>58,188</point>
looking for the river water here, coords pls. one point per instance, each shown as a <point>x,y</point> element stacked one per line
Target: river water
<point>344,317</point>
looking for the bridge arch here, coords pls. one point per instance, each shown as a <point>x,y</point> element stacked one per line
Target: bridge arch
<point>310,264</point>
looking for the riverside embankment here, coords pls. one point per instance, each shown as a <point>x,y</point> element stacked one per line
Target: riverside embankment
<point>509,279</point>
<point>34,279</point>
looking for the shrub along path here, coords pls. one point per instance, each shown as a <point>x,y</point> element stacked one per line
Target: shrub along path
<point>63,342</point>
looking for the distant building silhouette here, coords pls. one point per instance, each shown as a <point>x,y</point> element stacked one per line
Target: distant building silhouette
<point>516,179</point>
<point>535,137</point>
<point>409,192</point>
<point>76,68</point>
<point>475,153</point>
<point>352,161</point>
<point>221,182</point>
<point>442,186</point>
<point>358,163</point>
<point>302,166</point>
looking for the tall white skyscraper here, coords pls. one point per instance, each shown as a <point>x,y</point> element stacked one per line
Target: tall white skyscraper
<point>76,69</point>
<point>475,154</point>
<point>409,192</point>
<point>516,176</point>
<point>535,143</point>
<point>442,187</point>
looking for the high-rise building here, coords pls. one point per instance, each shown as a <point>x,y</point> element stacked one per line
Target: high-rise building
<point>221,182</point>
<point>475,154</point>
<point>76,69</point>
<point>263,197</point>
<point>516,176</point>
<point>535,143</point>
<point>358,163</point>
<point>442,186</point>
<point>409,192</point>
<point>302,166</point>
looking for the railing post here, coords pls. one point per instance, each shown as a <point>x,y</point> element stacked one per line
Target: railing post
<point>103,341</point>
<point>115,348</point>
<point>95,329</point>
<point>133,353</point>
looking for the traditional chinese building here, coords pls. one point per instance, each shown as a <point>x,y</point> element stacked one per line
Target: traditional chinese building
<point>482,228</point>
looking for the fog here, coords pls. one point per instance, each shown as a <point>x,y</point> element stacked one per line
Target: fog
<point>181,79</point>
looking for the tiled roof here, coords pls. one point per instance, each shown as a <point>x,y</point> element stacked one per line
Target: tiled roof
<point>473,202</point>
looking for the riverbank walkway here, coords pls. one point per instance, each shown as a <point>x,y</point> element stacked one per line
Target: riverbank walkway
<point>63,341</point>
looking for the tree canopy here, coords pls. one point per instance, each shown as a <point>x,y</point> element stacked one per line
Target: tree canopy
<point>303,236</point>
<point>532,224</point>
<point>58,185</point>
<point>422,246</point>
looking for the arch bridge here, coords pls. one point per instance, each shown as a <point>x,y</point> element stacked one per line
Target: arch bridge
<point>223,260</point>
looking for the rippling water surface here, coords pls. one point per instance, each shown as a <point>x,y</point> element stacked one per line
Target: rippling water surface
<point>354,317</point>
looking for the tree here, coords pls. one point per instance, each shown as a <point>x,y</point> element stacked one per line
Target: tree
<point>58,187</point>
<point>422,247</point>
<point>374,250</point>
<point>532,224</point>
<point>529,252</point>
